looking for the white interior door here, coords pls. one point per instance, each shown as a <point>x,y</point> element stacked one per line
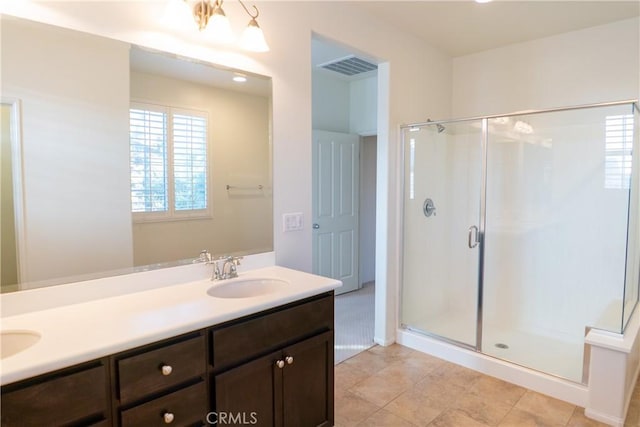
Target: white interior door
<point>335,207</point>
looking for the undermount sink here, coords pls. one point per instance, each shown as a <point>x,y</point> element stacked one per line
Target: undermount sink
<point>13,342</point>
<point>247,288</point>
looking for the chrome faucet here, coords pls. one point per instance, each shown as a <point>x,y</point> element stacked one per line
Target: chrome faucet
<point>204,257</point>
<point>229,268</point>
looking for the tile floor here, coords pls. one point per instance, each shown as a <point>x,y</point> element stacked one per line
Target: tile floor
<point>398,387</point>
<point>354,320</point>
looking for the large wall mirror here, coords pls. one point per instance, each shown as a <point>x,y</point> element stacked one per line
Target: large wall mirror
<point>116,158</point>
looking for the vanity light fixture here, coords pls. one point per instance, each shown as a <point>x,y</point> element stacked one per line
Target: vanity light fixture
<point>211,20</point>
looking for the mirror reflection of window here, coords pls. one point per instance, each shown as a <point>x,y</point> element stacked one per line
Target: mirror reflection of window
<point>169,168</point>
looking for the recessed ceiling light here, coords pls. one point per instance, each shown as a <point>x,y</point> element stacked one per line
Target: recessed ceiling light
<point>239,78</point>
<point>483,1</point>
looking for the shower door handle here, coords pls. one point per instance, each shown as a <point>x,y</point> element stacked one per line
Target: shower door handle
<point>473,236</point>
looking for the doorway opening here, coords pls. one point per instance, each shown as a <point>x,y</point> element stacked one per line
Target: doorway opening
<point>344,99</point>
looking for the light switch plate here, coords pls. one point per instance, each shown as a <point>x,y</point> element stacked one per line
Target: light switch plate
<point>292,221</point>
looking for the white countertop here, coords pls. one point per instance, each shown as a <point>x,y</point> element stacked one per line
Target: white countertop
<point>80,332</point>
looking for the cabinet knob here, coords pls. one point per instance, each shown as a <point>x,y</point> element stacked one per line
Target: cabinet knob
<point>280,364</point>
<point>166,370</point>
<point>289,360</point>
<point>168,417</point>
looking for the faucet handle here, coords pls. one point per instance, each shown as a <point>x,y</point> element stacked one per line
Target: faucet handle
<point>205,257</point>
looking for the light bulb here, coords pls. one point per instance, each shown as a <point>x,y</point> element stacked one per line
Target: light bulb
<point>218,27</point>
<point>252,38</point>
<point>178,15</point>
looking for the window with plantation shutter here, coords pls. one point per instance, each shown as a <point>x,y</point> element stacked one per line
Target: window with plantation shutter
<point>190,162</point>
<point>618,151</point>
<point>169,168</point>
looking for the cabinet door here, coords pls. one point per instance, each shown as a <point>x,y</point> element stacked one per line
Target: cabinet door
<point>249,394</point>
<point>308,382</point>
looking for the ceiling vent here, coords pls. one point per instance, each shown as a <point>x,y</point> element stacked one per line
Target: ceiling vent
<point>349,66</point>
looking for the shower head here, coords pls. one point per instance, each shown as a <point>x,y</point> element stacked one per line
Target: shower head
<point>440,127</point>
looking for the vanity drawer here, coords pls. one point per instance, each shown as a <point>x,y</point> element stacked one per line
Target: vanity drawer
<point>246,339</point>
<point>48,400</point>
<point>185,407</point>
<point>155,370</point>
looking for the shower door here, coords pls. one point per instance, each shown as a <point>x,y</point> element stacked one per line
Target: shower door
<point>442,225</point>
<point>556,225</point>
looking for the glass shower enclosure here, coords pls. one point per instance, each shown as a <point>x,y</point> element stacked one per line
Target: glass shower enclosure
<point>520,232</point>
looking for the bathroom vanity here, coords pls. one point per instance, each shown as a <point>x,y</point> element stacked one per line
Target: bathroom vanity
<point>271,366</point>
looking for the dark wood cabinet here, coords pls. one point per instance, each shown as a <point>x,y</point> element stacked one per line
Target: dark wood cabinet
<point>273,368</point>
<point>307,382</point>
<point>163,383</point>
<point>70,397</point>
<point>249,391</point>
<point>185,407</point>
<point>150,370</point>
<point>283,366</point>
<point>292,387</point>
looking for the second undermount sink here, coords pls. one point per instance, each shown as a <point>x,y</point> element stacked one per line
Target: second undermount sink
<point>247,288</point>
<point>13,342</point>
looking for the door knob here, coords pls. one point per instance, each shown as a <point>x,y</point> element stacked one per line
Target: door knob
<point>316,226</point>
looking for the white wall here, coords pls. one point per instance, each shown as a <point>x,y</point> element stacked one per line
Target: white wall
<point>597,64</point>
<point>347,106</point>
<point>331,102</point>
<point>363,108</point>
<point>239,152</point>
<point>367,207</point>
<point>69,124</point>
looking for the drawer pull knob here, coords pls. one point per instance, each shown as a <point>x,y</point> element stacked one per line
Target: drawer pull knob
<point>166,370</point>
<point>289,360</point>
<point>168,417</point>
<point>280,364</point>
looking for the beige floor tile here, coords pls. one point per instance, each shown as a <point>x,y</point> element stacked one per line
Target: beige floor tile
<point>351,409</point>
<point>384,418</point>
<point>381,389</point>
<point>483,409</point>
<point>414,407</point>
<point>545,407</point>
<point>393,350</point>
<point>491,388</point>
<point>633,414</point>
<point>578,419</point>
<point>441,392</point>
<point>456,374</point>
<point>455,418</point>
<point>409,371</point>
<point>370,362</point>
<point>418,365</point>
<point>346,376</point>
<point>519,418</point>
